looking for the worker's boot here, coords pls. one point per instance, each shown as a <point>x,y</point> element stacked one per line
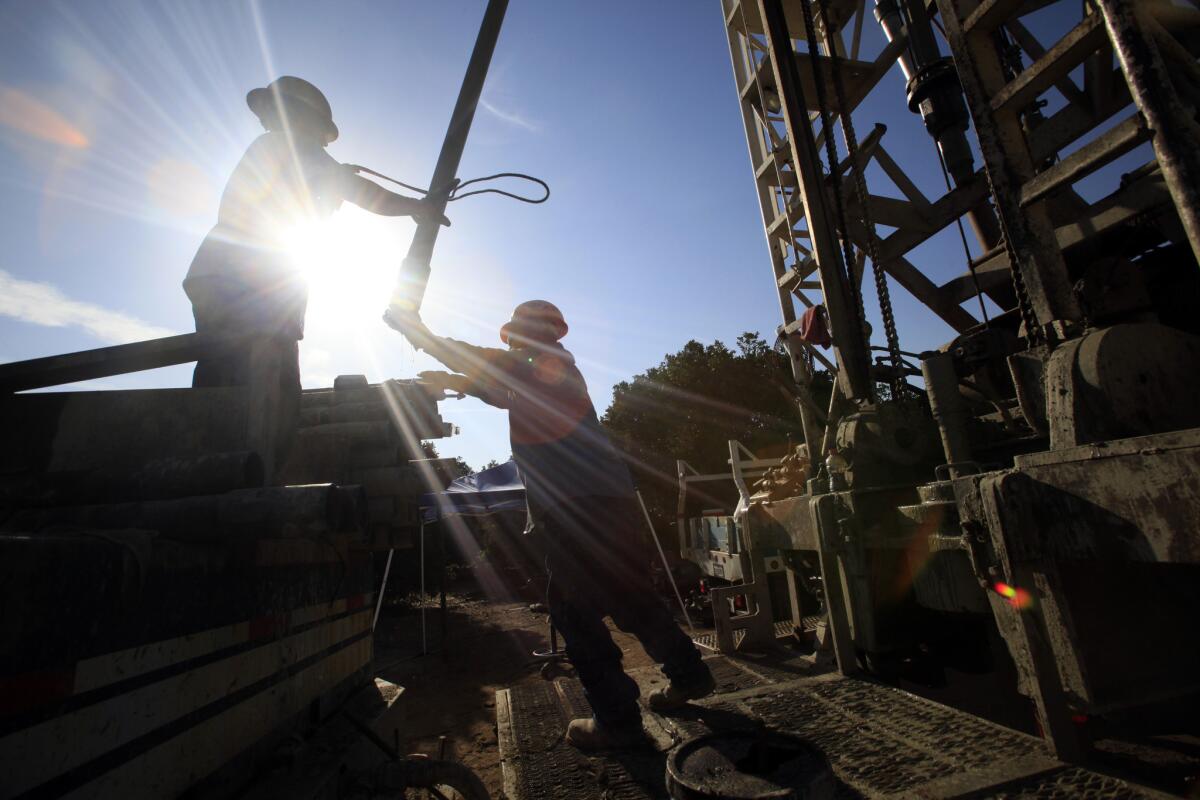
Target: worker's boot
<point>675,695</point>
<point>592,735</point>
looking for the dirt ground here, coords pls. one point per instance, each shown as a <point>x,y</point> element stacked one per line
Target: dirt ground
<point>448,706</point>
<point>450,692</point>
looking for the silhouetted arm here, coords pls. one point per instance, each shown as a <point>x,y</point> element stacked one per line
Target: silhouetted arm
<point>464,384</point>
<point>376,199</point>
<point>483,365</point>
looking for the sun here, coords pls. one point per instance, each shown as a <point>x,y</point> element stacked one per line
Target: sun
<point>350,261</point>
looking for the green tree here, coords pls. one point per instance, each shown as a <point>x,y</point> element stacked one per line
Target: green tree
<point>689,407</point>
<point>446,469</point>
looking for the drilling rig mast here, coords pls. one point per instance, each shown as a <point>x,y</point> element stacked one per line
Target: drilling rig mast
<point>1045,479</point>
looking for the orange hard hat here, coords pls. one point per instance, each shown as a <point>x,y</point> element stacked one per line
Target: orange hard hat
<point>289,94</point>
<point>534,311</point>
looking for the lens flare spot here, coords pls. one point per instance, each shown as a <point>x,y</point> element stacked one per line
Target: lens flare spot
<point>31,116</point>
<point>1017,598</point>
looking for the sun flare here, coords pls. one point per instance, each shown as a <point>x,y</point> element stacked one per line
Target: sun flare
<point>350,262</point>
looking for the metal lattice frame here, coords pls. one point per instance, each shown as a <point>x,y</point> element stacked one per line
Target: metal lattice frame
<point>1028,179</point>
<point>776,71</point>
<point>1140,84</point>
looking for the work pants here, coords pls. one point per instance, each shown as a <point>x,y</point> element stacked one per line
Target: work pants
<point>254,346</point>
<point>241,312</point>
<point>599,567</point>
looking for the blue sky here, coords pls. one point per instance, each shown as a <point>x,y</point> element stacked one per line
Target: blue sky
<point>120,122</point>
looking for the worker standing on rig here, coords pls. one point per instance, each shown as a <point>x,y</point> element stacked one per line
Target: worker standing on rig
<point>584,513</point>
<point>242,281</point>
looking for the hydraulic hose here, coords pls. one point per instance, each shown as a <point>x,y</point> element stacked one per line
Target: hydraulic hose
<point>456,192</point>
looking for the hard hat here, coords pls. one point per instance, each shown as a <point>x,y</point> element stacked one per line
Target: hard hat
<point>532,311</point>
<point>289,92</point>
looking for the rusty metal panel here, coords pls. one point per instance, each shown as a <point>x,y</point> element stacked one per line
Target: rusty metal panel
<point>1138,504</point>
<point>787,524</point>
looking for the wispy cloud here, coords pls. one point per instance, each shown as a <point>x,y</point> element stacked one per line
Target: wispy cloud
<point>510,117</point>
<point>44,304</point>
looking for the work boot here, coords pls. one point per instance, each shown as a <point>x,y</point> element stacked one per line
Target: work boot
<point>591,735</point>
<point>675,696</point>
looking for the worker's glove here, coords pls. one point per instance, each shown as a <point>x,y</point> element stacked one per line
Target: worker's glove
<point>445,383</point>
<point>428,213</point>
<point>409,324</point>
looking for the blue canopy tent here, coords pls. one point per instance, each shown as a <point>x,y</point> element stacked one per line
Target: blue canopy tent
<point>487,492</point>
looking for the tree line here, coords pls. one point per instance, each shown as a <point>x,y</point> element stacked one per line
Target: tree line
<point>692,403</point>
<point>688,407</point>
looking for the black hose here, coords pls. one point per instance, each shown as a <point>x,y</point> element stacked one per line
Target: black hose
<point>426,773</point>
<point>457,194</point>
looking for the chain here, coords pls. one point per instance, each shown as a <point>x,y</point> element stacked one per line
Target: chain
<point>1033,333</point>
<point>831,156</point>
<point>962,237</point>
<point>1010,63</point>
<point>897,382</point>
<point>806,353</point>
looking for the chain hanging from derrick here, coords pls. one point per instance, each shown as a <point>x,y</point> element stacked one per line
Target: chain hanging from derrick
<point>1033,331</point>
<point>831,156</point>
<point>1012,66</point>
<point>896,383</point>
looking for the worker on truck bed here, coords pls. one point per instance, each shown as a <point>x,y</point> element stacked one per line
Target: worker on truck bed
<point>584,512</point>
<point>242,280</point>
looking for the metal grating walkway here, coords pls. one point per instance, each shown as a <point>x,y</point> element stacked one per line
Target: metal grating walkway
<point>783,630</point>
<point>881,742</point>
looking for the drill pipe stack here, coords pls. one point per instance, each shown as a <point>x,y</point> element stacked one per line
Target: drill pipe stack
<point>789,478</point>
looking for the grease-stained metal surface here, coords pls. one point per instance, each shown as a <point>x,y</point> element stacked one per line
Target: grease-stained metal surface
<point>880,741</point>
<point>783,629</point>
<point>1097,345</point>
<point>539,764</point>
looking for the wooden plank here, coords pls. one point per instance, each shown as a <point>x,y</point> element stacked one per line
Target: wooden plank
<point>506,742</point>
<point>102,362</point>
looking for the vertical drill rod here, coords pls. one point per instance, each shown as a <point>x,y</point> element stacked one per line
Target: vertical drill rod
<point>414,272</point>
